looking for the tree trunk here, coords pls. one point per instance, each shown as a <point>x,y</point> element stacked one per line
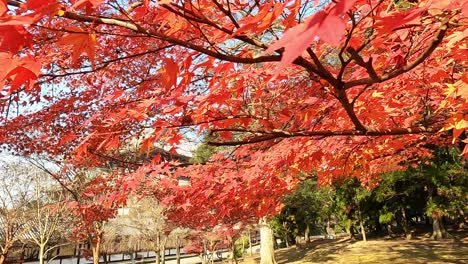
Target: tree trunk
<point>349,228</point>
<point>250,245</point>
<point>436,232</point>
<point>445,234</point>
<point>363,231</point>
<point>178,242</point>
<point>41,254</point>
<point>306,234</point>
<point>297,240</point>
<point>4,252</point>
<point>163,253</point>
<point>243,247</point>
<point>95,247</point>
<point>204,258</point>
<point>267,253</point>
<point>133,257</point>
<point>157,249</point>
<point>361,224</point>
<point>158,256</point>
<point>232,253</point>
<point>404,223</point>
<point>389,230</point>
<point>2,258</point>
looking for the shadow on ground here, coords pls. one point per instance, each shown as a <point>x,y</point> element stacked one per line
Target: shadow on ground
<point>393,251</point>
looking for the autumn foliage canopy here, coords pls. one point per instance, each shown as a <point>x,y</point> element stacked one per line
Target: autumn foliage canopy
<point>289,89</point>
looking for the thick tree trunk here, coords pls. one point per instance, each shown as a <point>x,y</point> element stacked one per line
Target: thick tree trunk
<point>132,257</point>
<point>232,253</point>
<point>436,232</point>
<point>158,256</point>
<point>404,223</point>
<point>445,233</point>
<point>267,253</point>
<point>2,258</point>
<point>297,240</point>
<point>349,228</point>
<point>95,247</point>
<point>4,253</point>
<point>389,230</point>
<point>204,258</point>
<point>212,254</point>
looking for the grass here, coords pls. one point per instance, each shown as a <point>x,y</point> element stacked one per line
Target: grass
<point>394,251</point>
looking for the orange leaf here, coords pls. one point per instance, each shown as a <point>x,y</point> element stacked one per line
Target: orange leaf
<point>81,42</point>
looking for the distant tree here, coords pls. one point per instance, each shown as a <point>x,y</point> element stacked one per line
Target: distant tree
<point>147,220</point>
<point>447,188</point>
<point>15,189</point>
<point>46,215</point>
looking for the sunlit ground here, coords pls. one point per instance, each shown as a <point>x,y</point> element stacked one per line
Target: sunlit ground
<point>395,251</point>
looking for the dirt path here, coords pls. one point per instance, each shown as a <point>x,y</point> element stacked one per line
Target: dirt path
<point>397,251</point>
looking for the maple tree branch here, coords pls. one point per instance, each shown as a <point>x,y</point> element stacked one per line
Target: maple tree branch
<point>205,21</point>
<point>348,107</point>
<point>55,177</point>
<point>136,28</point>
<point>321,70</point>
<point>360,61</point>
<point>276,134</point>
<point>432,46</point>
<point>360,93</point>
<point>102,65</point>
<point>14,3</point>
<point>227,12</point>
<point>344,63</point>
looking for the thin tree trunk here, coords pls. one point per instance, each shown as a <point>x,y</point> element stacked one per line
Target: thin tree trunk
<point>306,234</point>
<point>157,249</point>
<point>250,245</point>
<point>163,251</point>
<point>361,224</point>
<point>363,232</point>
<point>41,254</point>
<point>178,250</point>
<point>133,257</point>
<point>243,247</point>
<point>267,253</point>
